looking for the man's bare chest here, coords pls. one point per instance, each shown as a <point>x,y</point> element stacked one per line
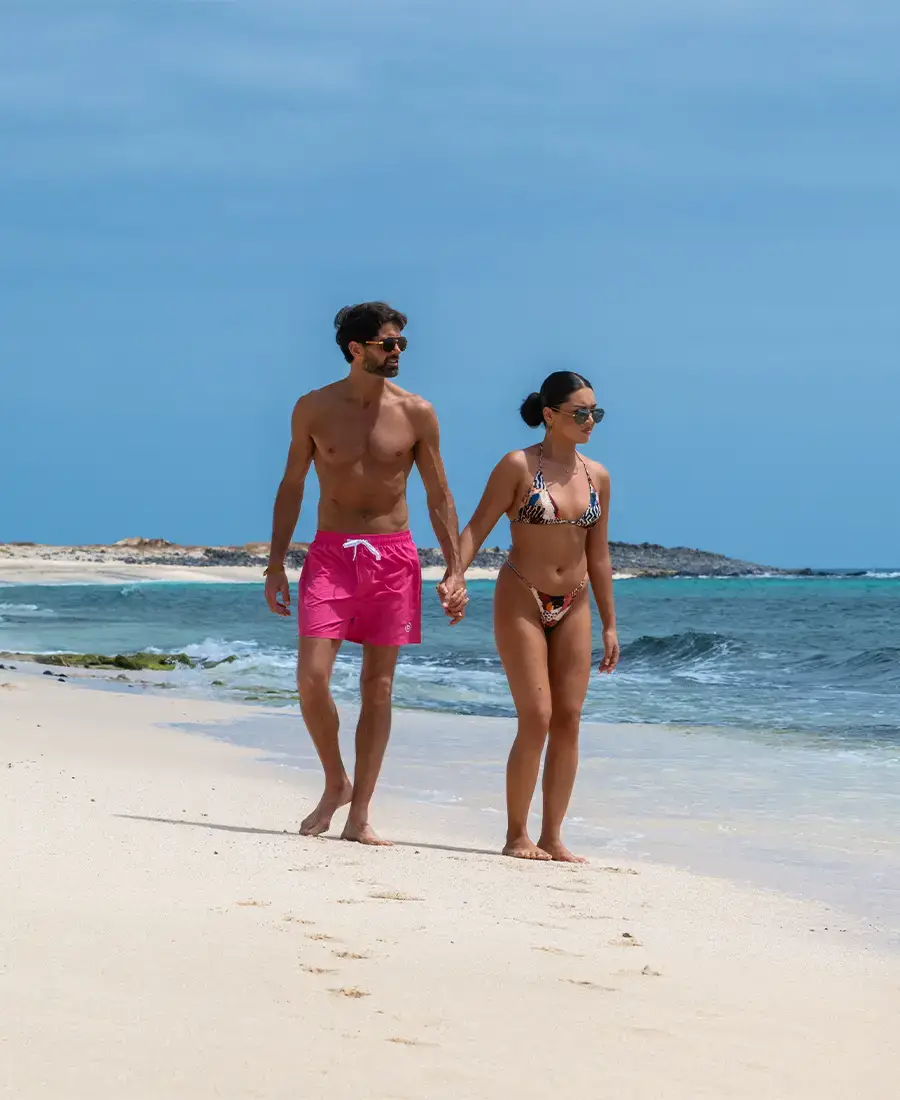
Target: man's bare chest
<point>359,437</point>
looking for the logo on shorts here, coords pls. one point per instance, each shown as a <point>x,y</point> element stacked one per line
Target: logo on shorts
<point>408,627</point>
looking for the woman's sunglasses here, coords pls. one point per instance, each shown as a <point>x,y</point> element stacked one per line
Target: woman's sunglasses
<point>582,416</point>
<point>390,342</point>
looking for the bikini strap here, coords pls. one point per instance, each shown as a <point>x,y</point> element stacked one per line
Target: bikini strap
<point>588,473</point>
<point>539,472</point>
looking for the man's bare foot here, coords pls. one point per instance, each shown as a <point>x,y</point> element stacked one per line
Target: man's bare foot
<point>364,834</point>
<point>523,847</point>
<point>556,850</point>
<point>319,821</point>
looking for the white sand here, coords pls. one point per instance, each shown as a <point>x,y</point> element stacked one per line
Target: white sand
<point>165,934</point>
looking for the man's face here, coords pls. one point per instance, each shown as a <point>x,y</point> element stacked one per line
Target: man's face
<point>385,364</point>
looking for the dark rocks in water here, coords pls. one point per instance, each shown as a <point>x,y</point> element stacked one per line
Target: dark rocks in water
<point>131,662</point>
<point>648,559</point>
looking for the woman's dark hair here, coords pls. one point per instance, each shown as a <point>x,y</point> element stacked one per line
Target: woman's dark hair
<point>555,389</point>
<point>362,322</point>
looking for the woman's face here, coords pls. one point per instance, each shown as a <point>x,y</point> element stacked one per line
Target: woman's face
<point>563,422</point>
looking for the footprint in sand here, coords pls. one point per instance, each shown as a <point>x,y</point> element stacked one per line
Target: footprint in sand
<point>559,951</point>
<point>321,936</point>
<point>351,992</point>
<point>584,984</point>
<point>400,1041</point>
<point>296,920</point>
<point>350,955</point>
<point>569,889</point>
<point>253,904</point>
<point>317,969</point>
<point>394,895</point>
<point>618,870</point>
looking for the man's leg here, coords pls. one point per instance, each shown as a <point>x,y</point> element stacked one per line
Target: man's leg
<point>314,664</point>
<point>372,732</point>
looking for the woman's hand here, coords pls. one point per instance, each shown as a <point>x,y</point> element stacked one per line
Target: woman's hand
<point>452,593</point>
<point>610,651</point>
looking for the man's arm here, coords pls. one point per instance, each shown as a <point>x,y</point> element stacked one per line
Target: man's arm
<point>441,508</point>
<point>288,500</point>
<point>600,572</point>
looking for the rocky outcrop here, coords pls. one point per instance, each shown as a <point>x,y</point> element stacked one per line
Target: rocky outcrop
<point>640,559</point>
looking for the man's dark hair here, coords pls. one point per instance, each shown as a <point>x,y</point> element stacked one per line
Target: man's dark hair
<point>362,322</point>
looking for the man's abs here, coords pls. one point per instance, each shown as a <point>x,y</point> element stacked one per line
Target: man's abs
<point>362,503</point>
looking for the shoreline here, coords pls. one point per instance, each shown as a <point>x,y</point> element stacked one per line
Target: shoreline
<point>39,571</point>
<point>752,844</point>
<point>176,888</point>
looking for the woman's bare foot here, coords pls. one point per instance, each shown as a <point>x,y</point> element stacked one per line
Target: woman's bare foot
<point>319,821</point>
<point>556,850</point>
<point>522,847</point>
<point>364,834</point>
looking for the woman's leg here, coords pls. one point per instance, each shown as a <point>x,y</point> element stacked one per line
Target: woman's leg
<point>569,661</point>
<point>523,652</point>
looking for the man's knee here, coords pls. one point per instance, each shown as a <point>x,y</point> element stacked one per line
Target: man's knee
<point>375,688</point>
<point>313,684</point>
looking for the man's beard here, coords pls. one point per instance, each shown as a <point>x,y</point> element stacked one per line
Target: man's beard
<point>390,368</point>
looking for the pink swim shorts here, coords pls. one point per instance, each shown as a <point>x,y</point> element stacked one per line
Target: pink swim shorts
<point>362,588</point>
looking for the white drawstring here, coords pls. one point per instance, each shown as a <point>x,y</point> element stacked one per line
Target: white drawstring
<point>356,543</point>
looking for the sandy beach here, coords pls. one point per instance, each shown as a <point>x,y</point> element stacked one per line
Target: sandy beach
<point>166,933</point>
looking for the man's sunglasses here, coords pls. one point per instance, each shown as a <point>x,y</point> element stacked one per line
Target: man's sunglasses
<point>582,416</point>
<point>390,342</point>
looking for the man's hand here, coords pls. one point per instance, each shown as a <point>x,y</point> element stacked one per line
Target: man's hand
<point>452,593</point>
<point>610,651</point>
<point>277,585</point>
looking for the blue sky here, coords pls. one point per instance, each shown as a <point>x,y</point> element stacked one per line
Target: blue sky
<point>695,204</point>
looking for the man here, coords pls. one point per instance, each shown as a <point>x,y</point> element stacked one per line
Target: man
<point>361,580</point>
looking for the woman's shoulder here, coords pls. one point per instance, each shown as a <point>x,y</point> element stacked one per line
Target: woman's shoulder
<point>518,460</point>
<point>598,472</point>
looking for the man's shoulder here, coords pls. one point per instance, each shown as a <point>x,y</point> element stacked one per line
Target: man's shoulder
<point>312,400</point>
<point>413,403</point>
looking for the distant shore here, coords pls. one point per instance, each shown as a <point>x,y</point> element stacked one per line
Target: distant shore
<point>139,559</point>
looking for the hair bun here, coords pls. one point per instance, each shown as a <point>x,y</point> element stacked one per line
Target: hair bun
<point>532,410</point>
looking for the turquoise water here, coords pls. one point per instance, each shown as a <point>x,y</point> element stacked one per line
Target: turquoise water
<point>815,658</point>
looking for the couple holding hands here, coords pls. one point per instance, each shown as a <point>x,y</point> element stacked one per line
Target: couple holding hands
<point>361,580</point>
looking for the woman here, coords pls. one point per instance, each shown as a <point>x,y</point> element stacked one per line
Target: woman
<point>558,505</point>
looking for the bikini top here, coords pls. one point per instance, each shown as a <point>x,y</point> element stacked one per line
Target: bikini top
<point>540,507</point>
